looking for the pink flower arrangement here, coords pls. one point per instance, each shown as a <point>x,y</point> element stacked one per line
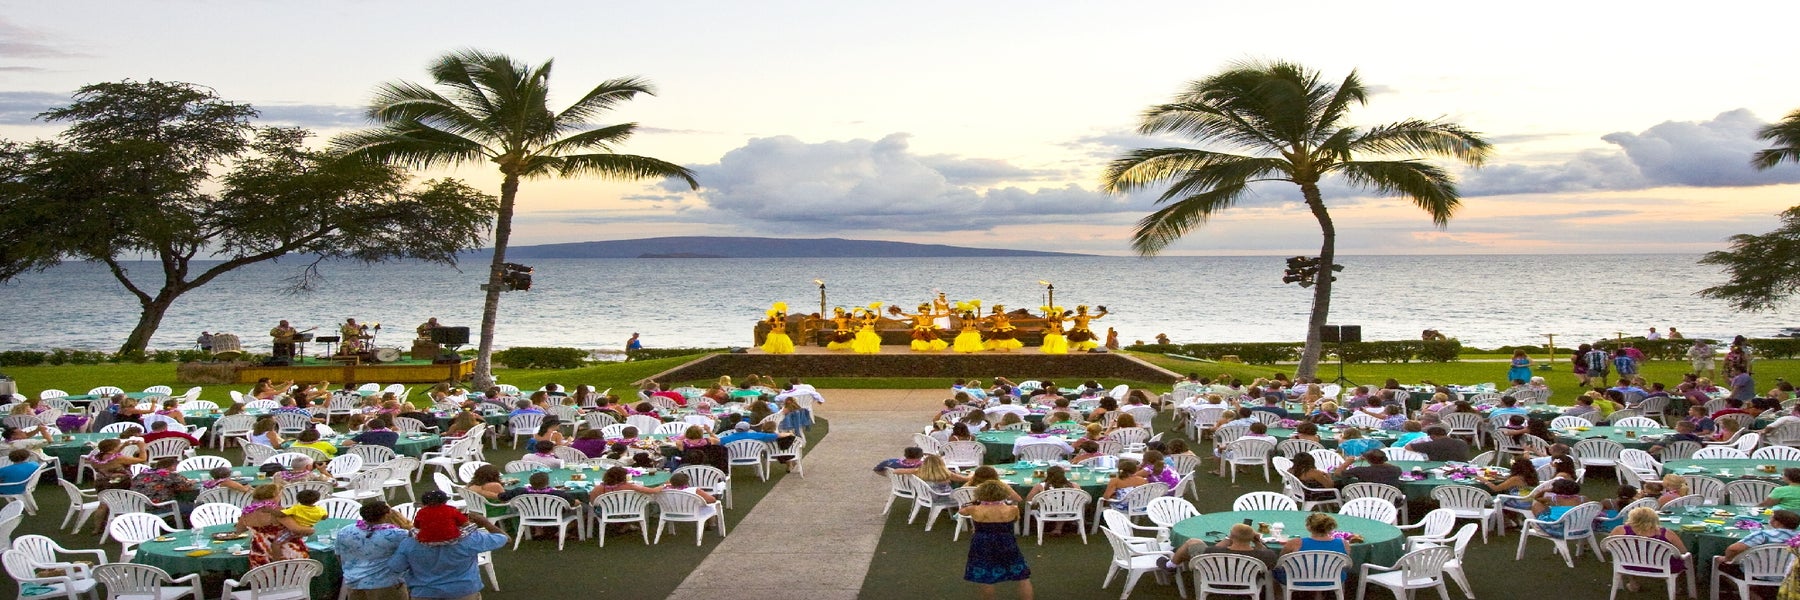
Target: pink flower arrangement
<point>1286,423</point>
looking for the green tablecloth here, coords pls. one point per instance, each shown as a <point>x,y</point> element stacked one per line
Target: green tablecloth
<point>1000,444</point>
<point>164,555</point>
<point>87,398</point>
<point>1019,476</point>
<point>414,444</point>
<point>240,472</point>
<point>1707,544</point>
<point>445,419</point>
<point>1629,437</point>
<point>1741,468</point>
<point>590,478</point>
<point>1328,438</point>
<point>70,452</point>
<point>1382,543</point>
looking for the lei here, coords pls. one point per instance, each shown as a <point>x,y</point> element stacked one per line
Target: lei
<point>370,528</point>
<point>262,504</point>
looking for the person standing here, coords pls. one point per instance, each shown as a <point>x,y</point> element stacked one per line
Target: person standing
<point>1743,387</point>
<point>993,551</point>
<point>1700,356</point>
<point>1674,334</point>
<point>1625,363</point>
<point>440,560</point>
<point>1599,363</point>
<point>634,343</point>
<point>283,334</point>
<point>1653,335</point>
<point>1521,368</point>
<point>364,550</point>
<point>204,341</point>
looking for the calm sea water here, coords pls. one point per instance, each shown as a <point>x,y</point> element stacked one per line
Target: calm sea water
<point>598,303</point>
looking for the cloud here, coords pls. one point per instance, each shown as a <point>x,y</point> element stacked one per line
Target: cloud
<point>19,69</point>
<point>1713,153</point>
<point>22,108</point>
<point>861,184</point>
<point>21,42</point>
<point>327,116</point>
<point>654,197</point>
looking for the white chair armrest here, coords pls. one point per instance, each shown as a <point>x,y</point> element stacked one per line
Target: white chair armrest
<point>232,584</point>
<point>190,577</point>
<point>1367,566</point>
<point>100,554</point>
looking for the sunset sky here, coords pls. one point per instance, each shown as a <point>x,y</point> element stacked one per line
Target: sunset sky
<point>1620,127</point>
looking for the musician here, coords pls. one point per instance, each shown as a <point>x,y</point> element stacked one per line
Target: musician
<point>425,328</point>
<point>204,341</point>
<point>284,339</point>
<point>352,337</point>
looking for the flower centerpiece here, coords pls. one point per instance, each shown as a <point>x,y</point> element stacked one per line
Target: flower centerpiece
<point>1287,423</point>
<point>1347,536</point>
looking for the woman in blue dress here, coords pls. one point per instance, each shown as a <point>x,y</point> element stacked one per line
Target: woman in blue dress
<point>1521,368</point>
<point>993,551</point>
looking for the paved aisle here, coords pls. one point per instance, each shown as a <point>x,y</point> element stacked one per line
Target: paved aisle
<point>814,537</point>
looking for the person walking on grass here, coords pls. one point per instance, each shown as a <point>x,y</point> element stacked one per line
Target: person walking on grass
<point>993,551</point>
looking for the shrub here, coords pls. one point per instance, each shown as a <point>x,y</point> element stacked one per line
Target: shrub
<point>655,353</point>
<point>22,358</point>
<point>58,357</point>
<point>1439,351</point>
<point>541,358</point>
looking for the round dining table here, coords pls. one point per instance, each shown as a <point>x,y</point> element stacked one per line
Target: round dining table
<point>999,444</point>
<point>409,444</point>
<point>1731,469</point>
<point>1640,438</point>
<point>1708,530</point>
<point>1022,476</point>
<point>1382,544</point>
<point>70,447</point>
<point>174,553</point>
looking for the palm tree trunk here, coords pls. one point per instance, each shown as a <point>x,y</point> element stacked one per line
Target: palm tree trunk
<point>1321,308</point>
<point>490,309</point>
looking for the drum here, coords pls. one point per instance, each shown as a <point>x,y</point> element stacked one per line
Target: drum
<point>226,346</point>
<point>387,354</point>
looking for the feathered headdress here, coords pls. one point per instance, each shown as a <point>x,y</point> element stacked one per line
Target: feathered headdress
<point>875,306</point>
<point>780,307</point>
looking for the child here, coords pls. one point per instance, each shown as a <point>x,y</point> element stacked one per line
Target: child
<point>305,510</point>
<point>221,477</point>
<point>1684,432</point>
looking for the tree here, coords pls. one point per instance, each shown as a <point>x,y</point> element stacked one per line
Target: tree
<point>130,179</point>
<point>1764,269</point>
<point>495,109</point>
<point>1288,125</point>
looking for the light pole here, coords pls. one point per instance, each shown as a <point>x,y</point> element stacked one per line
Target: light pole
<point>1049,293</point>
<point>1552,344</point>
<point>821,283</point>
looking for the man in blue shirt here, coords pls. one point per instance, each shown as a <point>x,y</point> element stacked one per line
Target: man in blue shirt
<point>1271,404</point>
<point>1781,529</point>
<point>16,473</point>
<point>1508,406</point>
<point>363,552</point>
<point>1624,363</point>
<point>524,407</point>
<point>439,562</point>
<point>378,434</point>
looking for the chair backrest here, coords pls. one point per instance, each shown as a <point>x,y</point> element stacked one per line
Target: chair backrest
<point>622,503</point>
<point>1719,452</point>
<point>214,513</point>
<point>1766,563</point>
<point>742,451</point>
<point>1638,554</point>
<point>124,501</point>
<point>1138,499</point>
<point>1371,508</point>
<point>166,448</point>
<point>1310,569</point>
<point>528,423</point>
<point>290,491</point>
<point>286,459</point>
<point>105,390</point>
<point>1327,459</point>
<point>1776,453</point>
<point>615,431</point>
<point>1748,492</point>
<point>1221,571</point>
<point>1251,451</point>
<point>1265,417</point>
<point>1485,459</point>
<point>131,580</point>
<point>1463,423</point>
<point>1688,501</point>
<point>135,528</point>
<point>1579,521</point>
<point>1565,422</point>
<point>223,495</point>
<point>539,506</point>
<point>120,427</point>
<point>1462,497</point>
<point>1293,446</point>
<point>292,422</point>
<point>1636,422</point>
<point>706,476</point>
<point>1166,511</point>
<point>1585,450</point>
<point>345,465</point>
<point>644,423</point>
<point>1404,454</point>
<point>1041,452</point>
<point>205,462</point>
<point>1061,503</point>
<point>1362,420</point>
<point>1264,501</point>
<point>672,427</point>
<point>466,470</point>
<point>1365,489</point>
<point>1426,564</point>
<point>283,576</point>
<point>372,454</point>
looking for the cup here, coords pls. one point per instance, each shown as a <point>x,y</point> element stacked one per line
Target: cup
<point>1631,434</point>
<point>1725,472</point>
<point>68,438</point>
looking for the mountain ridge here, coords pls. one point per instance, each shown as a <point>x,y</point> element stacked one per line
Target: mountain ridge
<point>704,247</point>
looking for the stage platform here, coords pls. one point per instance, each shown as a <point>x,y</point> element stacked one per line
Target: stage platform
<point>898,361</point>
<point>404,371</point>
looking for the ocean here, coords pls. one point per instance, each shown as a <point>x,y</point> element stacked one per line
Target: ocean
<point>1484,301</point>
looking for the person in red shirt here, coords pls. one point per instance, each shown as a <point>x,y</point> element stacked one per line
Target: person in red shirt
<point>655,389</point>
<point>160,430</point>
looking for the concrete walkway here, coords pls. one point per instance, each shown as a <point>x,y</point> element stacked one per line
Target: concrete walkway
<point>814,537</point>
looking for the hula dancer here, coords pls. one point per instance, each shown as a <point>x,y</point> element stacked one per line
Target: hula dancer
<point>1081,339</point>
<point>777,341</point>
<point>1054,342</point>
<point>867,341</point>
<point>924,331</point>
<point>969,339</point>
<point>842,334</point>
<point>1002,335</point>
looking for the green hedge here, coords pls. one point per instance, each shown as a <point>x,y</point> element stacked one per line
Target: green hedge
<point>542,358</point>
<point>656,353</point>
<point>1264,353</point>
<point>32,358</point>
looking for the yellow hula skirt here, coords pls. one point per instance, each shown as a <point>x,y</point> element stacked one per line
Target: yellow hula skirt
<point>1082,340</point>
<point>968,341</point>
<point>867,341</point>
<point>840,340</point>
<point>778,343</point>
<point>1055,343</point>
<point>1003,341</point>
<point>925,339</point>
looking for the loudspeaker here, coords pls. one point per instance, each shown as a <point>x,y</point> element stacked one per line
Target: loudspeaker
<point>1351,334</point>
<point>1336,334</point>
<point>1329,333</point>
<point>447,358</point>
<point>276,361</point>
<point>451,336</point>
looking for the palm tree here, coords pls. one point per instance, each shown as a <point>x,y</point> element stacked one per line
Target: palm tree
<point>493,108</point>
<point>1786,134</point>
<point>1289,125</point>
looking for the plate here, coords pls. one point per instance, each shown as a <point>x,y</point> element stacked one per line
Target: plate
<point>231,536</point>
<point>240,552</point>
<point>166,538</point>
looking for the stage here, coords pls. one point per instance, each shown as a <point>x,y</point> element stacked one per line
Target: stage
<point>340,372</point>
<point>899,361</point>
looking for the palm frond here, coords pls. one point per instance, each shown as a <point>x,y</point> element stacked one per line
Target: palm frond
<point>410,144</point>
<point>1786,134</point>
<point>1146,166</point>
<point>623,167</point>
<point>1430,187</point>
<point>1206,122</point>
<point>1161,228</point>
<point>1414,137</point>
<point>603,138</point>
<point>1333,110</point>
<point>456,70</point>
<point>603,98</point>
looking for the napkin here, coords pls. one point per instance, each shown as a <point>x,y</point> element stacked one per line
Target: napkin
<point>199,553</point>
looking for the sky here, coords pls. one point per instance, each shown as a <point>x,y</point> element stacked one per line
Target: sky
<point>1620,128</point>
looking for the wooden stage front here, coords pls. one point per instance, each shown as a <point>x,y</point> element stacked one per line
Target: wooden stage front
<point>338,373</point>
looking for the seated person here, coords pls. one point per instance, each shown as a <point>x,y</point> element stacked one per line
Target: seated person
<point>1352,443</point>
<point>162,484</point>
<point>909,459</point>
<point>378,433</point>
<point>1584,408</point>
<point>1781,529</point>
<point>160,430</point>
<point>1242,539</point>
<point>310,438</point>
<point>1508,406</point>
<point>538,483</point>
<point>1377,469</point>
<point>543,453</point>
<point>590,442</point>
<point>223,477</point>
<point>1271,404</point>
<point>1410,431</point>
<point>1039,436</point>
<point>1439,446</point>
<point>1787,496</point>
<point>1684,432</point>
<point>23,464</point>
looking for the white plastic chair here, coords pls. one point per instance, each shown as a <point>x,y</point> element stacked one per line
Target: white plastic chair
<point>1640,556</point>
<point>716,482</point>
<point>132,529</point>
<point>752,453</point>
<point>1597,453</point>
<point>1164,512</point>
<point>290,492</point>
<point>1643,463</point>
<point>45,553</point>
<point>106,390</point>
<point>1748,492</point>
<point>682,506</point>
<point>82,504</point>
<point>1465,425</point>
<point>1391,494</point>
<point>279,579</point>
<point>1314,571</point>
<point>205,462</point>
<point>1327,460</point>
<point>340,508</point>
<point>1417,570</point>
<point>1568,422</point>
<point>1134,561</point>
<point>144,582</point>
<point>1434,528</point>
<point>1378,509</point>
<point>24,571</point>
<point>964,454</point>
<point>120,502</point>
<point>1294,446</point>
<point>344,466</point>
<point>1264,501</point>
<point>1468,502</point>
<point>526,425</point>
<point>545,510</point>
<point>1043,452</point>
<point>214,513</point>
<point>929,500</point>
<point>1712,490</point>
<point>1575,525</point>
<point>1232,574</point>
<point>10,517</point>
<point>1635,422</point>
<point>402,471</point>
<point>1763,566</point>
<point>623,506</point>
<point>1776,453</point>
<point>1254,453</point>
<point>371,454</point>
<point>1300,492</point>
<point>1719,452</point>
<point>1394,454</point>
<point>898,487</point>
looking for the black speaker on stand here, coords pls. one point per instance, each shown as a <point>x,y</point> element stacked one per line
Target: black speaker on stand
<point>1340,335</point>
<point>452,338</point>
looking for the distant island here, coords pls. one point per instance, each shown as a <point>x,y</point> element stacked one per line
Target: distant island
<point>756,247</point>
